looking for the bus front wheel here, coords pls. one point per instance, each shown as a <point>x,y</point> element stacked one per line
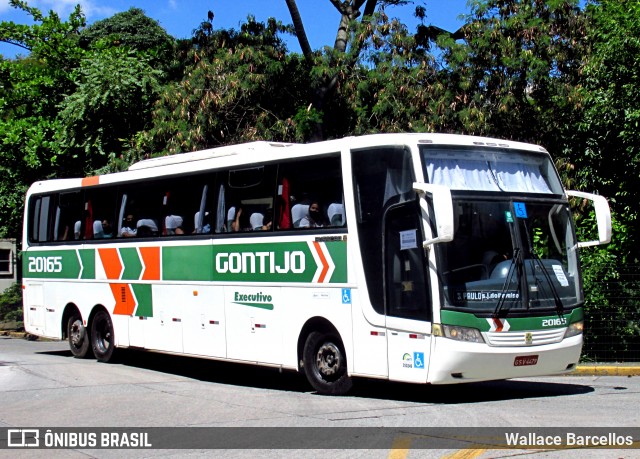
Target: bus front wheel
<point>102,338</point>
<point>78,336</point>
<point>325,364</point>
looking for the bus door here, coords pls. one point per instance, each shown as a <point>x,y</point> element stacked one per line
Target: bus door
<point>407,308</point>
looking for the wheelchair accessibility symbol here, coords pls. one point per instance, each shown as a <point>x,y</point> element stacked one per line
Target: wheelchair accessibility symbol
<point>346,296</point>
<point>418,360</point>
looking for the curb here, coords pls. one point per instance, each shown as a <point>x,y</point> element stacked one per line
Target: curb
<point>607,370</point>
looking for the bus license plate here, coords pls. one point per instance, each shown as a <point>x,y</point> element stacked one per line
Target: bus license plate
<point>524,360</point>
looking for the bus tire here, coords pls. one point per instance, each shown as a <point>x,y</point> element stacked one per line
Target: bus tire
<point>325,364</point>
<point>78,336</point>
<point>102,337</point>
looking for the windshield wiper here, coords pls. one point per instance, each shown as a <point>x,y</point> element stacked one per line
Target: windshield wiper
<point>554,292</point>
<point>514,266</point>
<point>537,263</point>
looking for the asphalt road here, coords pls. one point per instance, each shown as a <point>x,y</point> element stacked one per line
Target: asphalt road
<point>43,386</point>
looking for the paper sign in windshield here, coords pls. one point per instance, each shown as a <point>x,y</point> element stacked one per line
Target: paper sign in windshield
<point>557,269</point>
<point>408,240</point>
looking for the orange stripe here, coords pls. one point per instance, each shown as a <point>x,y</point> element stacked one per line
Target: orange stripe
<point>91,181</point>
<point>111,263</point>
<point>151,260</point>
<point>325,265</point>
<point>125,301</point>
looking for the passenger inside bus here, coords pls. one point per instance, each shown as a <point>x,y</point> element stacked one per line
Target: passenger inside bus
<point>314,217</point>
<point>335,212</point>
<point>146,227</point>
<point>128,227</point>
<point>173,225</point>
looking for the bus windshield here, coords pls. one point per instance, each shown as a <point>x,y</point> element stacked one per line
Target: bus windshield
<point>514,247</point>
<point>510,255</point>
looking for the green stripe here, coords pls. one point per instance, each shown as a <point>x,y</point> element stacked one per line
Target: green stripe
<point>132,263</point>
<point>88,258</point>
<point>466,319</point>
<point>264,262</point>
<point>145,300</point>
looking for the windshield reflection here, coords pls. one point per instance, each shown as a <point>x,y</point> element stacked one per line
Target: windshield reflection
<point>510,255</point>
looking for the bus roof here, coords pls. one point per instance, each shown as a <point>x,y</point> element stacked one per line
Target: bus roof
<point>252,152</point>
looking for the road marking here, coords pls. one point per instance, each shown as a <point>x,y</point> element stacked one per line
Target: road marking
<point>400,447</point>
<point>465,454</point>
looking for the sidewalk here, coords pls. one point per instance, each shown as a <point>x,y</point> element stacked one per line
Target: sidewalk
<point>583,369</point>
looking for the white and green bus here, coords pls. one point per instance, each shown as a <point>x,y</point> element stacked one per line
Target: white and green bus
<point>423,258</point>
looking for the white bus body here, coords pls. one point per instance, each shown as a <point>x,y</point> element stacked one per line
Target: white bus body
<point>393,283</point>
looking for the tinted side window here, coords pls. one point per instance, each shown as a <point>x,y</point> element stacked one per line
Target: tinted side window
<point>100,205</point>
<point>382,177</point>
<point>56,217</point>
<point>245,199</point>
<point>311,184</point>
<point>166,207</point>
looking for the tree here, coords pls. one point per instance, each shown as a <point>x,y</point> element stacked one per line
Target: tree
<point>240,87</point>
<point>30,90</point>
<point>515,75</point>
<point>606,160</point>
<point>609,134</point>
<point>135,31</point>
<point>115,91</point>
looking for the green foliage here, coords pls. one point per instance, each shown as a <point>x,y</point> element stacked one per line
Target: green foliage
<point>11,304</point>
<point>30,90</point>
<point>49,39</point>
<point>609,134</point>
<point>241,87</point>
<point>135,31</point>
<point>514,76</point>
<point>115,90</point>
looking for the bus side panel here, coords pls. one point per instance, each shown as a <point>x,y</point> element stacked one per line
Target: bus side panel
<point>203,319</point>
<point>255,317</point>
<point>33,308</point>
<point>301,305</point>
<point>369,342</point>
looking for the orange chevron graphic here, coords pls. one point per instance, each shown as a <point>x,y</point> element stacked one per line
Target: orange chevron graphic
<point>151,260</point>
<point>325,265</point>
<point>123,296</point>
<point>111,263</point>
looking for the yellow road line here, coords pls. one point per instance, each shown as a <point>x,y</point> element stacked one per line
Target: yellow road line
<point>465,454</point>
<point>400,447</point>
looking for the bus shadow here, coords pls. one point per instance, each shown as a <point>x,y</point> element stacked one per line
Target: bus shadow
<point>477,392</point>
<point>259,377</point>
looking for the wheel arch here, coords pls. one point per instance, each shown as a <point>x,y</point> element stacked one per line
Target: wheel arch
<point>69,309</point>
<point>319,324</point>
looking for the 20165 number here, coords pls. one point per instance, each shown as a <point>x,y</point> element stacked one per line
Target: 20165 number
<point>45,264</point>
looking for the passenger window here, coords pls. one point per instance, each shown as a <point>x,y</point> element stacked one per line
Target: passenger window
<point>68,222</point>
<point>99,221</point>
<point>310,194</point>
<point>141,208</point>
<point>183,201</point>
<point>40,223</point>
<point>245,201</point>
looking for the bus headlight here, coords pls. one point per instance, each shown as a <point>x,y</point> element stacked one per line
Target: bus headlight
<point>469,335</point>
<point>574,329</point>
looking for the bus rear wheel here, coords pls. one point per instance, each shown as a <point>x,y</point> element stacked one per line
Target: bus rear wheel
<point>325,364</point>
<point>78,336</point>
<point>102,337</point>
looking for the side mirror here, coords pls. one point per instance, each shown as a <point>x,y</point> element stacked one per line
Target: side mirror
<point>442,210</point>
<point>603,217</point>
